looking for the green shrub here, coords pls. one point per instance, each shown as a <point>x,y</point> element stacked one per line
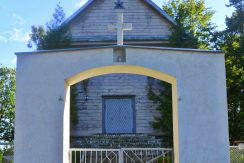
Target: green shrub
<point>166,159</point>
<point>237,155</point>
<point>1,157</point>
<point>6,151</point>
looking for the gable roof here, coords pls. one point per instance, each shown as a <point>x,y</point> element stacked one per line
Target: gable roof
<point>149,2</point>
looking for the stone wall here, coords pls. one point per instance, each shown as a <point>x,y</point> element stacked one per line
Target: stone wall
<point>90,111</point>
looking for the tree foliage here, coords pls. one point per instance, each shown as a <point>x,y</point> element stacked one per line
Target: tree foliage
<point>193,28</point>
<point>164,121</point>
<point>73,106</point>
<point>7,150</point>
<point>231,40</point>
<point>55,36</point>
<point>73,99</point>
<point>7,103</point>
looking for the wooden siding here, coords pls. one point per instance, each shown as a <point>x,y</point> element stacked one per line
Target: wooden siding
<point>90,112</point>
<point>95,19</point>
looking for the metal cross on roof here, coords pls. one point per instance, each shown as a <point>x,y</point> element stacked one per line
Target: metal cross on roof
<point>120,26</point>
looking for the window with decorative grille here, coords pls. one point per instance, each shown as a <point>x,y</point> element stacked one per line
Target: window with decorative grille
<point>118,114</point>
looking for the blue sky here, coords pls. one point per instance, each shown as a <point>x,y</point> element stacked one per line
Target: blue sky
<point>16,18</point>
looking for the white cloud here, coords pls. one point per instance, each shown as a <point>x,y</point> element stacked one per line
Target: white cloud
<point>15,35</point>
<point>18,19</point>
<point>18,34</point>
<point>80,3</point>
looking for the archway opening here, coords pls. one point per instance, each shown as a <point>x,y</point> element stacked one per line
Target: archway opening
<point>108,99</point>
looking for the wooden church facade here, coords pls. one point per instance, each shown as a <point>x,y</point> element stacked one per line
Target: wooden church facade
<point>89,28</point>
<point>113,104</point>
<point>89,25</point>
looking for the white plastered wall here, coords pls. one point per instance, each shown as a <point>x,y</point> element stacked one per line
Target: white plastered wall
<point>43,79</point>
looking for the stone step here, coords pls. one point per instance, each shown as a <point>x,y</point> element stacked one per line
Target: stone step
<point>116,141</point>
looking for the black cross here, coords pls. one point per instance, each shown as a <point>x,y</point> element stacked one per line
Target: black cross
<point>119,5</point>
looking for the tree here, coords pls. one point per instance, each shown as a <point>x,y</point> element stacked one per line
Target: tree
<point>193,28</point>
<point>231,40</point>
<point>55,36</point>
<point>163,98</point>
<point>7,103</point>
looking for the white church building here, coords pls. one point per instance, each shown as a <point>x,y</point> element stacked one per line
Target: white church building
<point>118,51</point>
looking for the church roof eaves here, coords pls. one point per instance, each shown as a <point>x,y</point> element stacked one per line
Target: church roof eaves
<point>149,2</point>
<point>126,46</point>
<point>80,10</point>
<point>161,11</point>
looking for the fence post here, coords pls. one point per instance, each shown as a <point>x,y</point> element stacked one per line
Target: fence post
<point>121,157</point>
<point>70,156</point>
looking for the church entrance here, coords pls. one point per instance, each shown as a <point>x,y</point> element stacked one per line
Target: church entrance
<point>114,112</point>
<point>118,114</point>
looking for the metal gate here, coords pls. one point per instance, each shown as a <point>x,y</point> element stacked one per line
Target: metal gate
<point>123,155</point>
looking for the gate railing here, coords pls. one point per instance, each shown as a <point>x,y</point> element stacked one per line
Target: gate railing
<point>87,155</point>
<point>147,155</point>
<point>123,155</point>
